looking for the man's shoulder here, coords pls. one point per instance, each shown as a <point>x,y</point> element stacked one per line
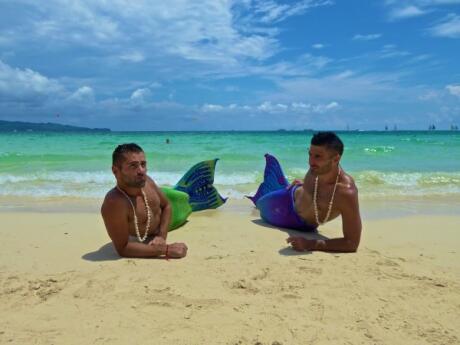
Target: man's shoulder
<point>347,187</point>
<point>151,182</point>
<point>113,201</point>
<point>152,187</point>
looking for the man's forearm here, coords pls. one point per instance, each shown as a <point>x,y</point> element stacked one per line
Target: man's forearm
<point>165,221</point>
<point>335,245</point>
<point>141,250</point>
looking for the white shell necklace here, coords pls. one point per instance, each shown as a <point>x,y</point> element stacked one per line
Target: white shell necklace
<point>149,215</point>
<point>315,195</point>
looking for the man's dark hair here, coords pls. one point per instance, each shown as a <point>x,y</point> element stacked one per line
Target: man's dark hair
<point>328,139</point>
<point>118,153</point>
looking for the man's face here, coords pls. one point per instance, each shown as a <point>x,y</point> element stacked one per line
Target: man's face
<point>322,160</point>
<point>133,170</point>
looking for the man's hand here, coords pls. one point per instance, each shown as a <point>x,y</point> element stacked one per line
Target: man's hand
<point>301,244</point>
<point>177,250</point>
<point>295,182</point>
<point>158,240</point>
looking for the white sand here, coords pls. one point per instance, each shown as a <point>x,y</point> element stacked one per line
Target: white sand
<point>62,283</point>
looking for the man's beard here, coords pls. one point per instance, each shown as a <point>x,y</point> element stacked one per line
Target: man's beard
<point>134,183</point>
<point>323,170</point>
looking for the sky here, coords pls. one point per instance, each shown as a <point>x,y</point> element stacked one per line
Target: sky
<point>231,64</point>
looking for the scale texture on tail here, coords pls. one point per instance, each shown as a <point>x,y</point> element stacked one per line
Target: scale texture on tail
<point>198,184</point>
<point>274,178</point>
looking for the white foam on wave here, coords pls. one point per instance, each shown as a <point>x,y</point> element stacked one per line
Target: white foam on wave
<point>234,185</point>
<point>412,179</point>
<point>61,176</point>
<point>379,149</point>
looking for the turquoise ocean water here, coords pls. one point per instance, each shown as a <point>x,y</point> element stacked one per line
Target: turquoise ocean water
<point>386,165</point>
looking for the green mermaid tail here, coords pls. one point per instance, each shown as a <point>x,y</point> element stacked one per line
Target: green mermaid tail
<point>180,207</point>
<point>194,192</point>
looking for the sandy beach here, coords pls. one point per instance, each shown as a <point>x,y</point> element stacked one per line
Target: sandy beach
<point>62,283</point>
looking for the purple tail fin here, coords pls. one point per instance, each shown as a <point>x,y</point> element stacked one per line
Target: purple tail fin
<point>274,178</point>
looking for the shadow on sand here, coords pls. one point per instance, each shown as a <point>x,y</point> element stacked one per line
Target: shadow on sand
<point>105,253</point>
<point>288,251</point>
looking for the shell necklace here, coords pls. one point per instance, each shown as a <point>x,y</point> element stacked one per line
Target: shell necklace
<point>315,195</point>
<point>149,215</point>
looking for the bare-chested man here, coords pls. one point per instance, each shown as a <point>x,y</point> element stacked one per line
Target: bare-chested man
<point>326,193</point>
<point>137,208</point>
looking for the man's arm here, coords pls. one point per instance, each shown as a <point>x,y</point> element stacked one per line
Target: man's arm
<point>351,226</point>
<point>116,222</point>
<point>165,206</point>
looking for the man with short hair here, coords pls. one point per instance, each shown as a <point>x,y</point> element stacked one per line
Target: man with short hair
<point>326,193</point>
<point>137,208</point>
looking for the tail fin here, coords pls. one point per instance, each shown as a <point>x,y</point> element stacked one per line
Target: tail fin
<point>274,178</point>
<point>198,184</point>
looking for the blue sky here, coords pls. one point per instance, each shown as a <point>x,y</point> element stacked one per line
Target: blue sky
<point>231,65</point>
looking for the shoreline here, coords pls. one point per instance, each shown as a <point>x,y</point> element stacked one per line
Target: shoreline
<point>371,209</point>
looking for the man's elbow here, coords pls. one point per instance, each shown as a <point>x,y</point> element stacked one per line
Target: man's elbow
<point>352,246</point>
<point>121,250</point>
<point>353,249</point>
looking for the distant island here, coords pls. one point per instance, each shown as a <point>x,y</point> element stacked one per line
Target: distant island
<point>17,126</point>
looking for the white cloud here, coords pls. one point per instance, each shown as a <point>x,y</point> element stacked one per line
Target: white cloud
<point>314,108</point>
<point>368,37</point>
<point>448,27</point>
<point>318,46</point>
<point>84,93</point>
<point>453,90</point>
<point>403,9</point>
<point>198,38</point>
<point>23,84</point>
<point>192,30</point>
<point>406,12</point>
<point>211,107</point>
<point>140,96</point>
<point>344,86</point>
<point>343,75</point>
<point>323,108</point>
<point>295,107</point>
<point>155,85</point>
<point>134,56</point>
<point>306,65</point>
<point>429,96</point>
<point>207,31</point>
<point>434,2</point>
<point>75,22</point>
<point>272,108</point>
<point>391,51</point>
<point>271,11</point>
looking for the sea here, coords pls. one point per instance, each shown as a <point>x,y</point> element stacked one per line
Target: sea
<point>412,171</point>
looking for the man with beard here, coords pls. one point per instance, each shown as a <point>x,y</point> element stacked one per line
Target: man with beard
<point>137,209</point>
<point>325,193</point>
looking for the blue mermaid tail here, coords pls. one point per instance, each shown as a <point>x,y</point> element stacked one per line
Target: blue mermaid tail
<point>198,184</point>
<point>274,179</point>
<point>275,200</point>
